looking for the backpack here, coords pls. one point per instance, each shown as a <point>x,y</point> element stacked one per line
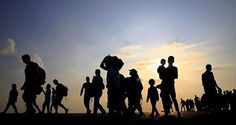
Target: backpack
<point>64,90</point>
<point>41,76</point>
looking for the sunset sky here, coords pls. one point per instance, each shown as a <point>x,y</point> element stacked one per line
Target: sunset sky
<point>69,38</point>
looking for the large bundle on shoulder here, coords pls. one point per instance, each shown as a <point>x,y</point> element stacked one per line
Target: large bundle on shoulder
<point>40,80</point>
<point>114,61</point>
<point>63,90</point>
<point>41,76</point>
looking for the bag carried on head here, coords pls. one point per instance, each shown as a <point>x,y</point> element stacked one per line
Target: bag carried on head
<point>114,61</point>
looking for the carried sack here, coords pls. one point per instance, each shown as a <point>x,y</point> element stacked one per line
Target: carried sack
<point>114,61</point>
<point>64,90</point>
<point>41,76</point>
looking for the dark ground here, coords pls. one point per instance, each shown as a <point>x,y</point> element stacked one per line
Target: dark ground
<point>189,118</point>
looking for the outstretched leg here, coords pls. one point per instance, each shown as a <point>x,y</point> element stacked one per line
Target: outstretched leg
<point>7,107</point>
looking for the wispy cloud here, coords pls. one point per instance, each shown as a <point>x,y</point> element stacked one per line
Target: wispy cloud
<point>8,47</point>
<point>147,55</point>
<point>188,58</point>
<point>129,50</point>
<point>179,45</point>
<point>131,46</point>
<point>38,60</point>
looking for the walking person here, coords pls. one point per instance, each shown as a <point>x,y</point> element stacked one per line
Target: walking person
<point>112,65</point>
<point>30,85</point>
<point>210,87</point>
<point>153,96</point>
<point>134,93</point>
<point>12,99</point>
<point>98,86</point>
<point>171,75</point>
<point>87,89</point>
<point>47,99</point>
<point>61,91</point>
<point>165,97</point>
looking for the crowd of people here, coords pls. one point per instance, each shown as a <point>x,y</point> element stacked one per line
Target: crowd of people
<point>225,101</point>
<point>120,88</point>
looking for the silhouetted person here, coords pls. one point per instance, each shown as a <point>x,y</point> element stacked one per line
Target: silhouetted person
<point>47,99</point>
<point>153,96</point>
<point>183,104</point>
<point>54,101</point>
<point>60,95</point>
<point>161,70</point>
<point>12,99</point>
<point>191,104</point>
<point>210,87</point>
<point>233,103</point>
<point>166,101</point>
<point>198,103</point>
<point>134,92</point>
<point>225,102</point>
<point>171,75</point>
<point>204,102</point>
<point>30,84</point>
<point>98,86</point>
<point>112,65</point>
<point>87,89</point>
<point>188,105</point>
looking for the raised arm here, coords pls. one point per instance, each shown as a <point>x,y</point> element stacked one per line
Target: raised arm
<point>102,65</point>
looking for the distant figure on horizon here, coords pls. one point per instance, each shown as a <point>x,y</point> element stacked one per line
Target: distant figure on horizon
<point>112,65</point>
<point>46,103</point>
<point>210,87</point>
<point>87,89</point>
<point>98,86</point>
<point>182,104</point>
<point>153,96</point>
<point>61,91</point>
<point>30,86</point>
<point>171,75</point>
<point>198,103</point>
<point>12,99</point>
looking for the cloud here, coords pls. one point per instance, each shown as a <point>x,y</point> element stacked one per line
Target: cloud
<point>128,50</point>
<point>189,58</point>
<point>176,47</point>
<point>144,63</point>
<point>36,58</point>
<point>131,46</point>
<point>9,47</point>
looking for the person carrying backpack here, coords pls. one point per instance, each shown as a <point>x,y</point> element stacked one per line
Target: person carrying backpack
<point>98,86</point>
<point>61,91</point>
<point>31,86</point>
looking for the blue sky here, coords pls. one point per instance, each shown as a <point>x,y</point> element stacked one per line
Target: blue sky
<point>69,38</point>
